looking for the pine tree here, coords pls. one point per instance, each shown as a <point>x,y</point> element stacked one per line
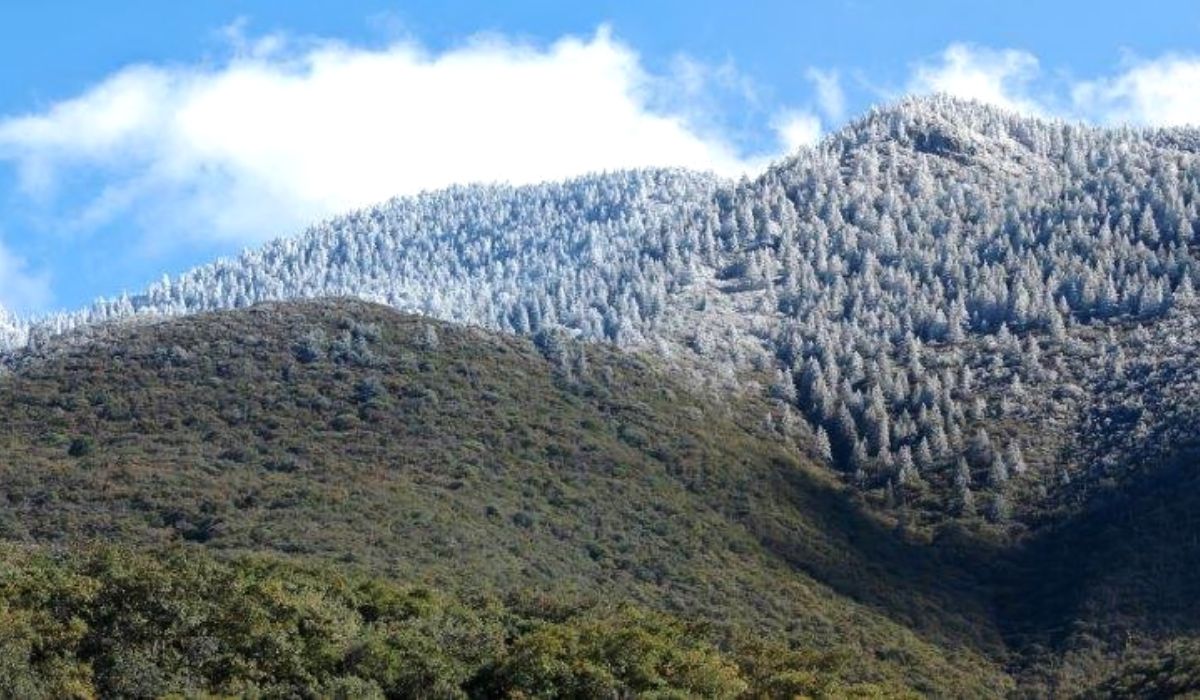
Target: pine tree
<point>847,430</point>
<point>980,449</point>
<point>978,408</point>
<point>1058,327</point>
<point>824,449</point>
<point>1013,459</point>
<point>923,456</point>
<point>997,471</point>
<point>906,470</point>
<point>429,337</point>
<point>962,473</point>
<point>938,441</point>
<point>1184,295</point>
<point>878,431</point>
<point>964,500</point>
<point>998,509</point>
<point>860,457</point>
<point>784,386</point>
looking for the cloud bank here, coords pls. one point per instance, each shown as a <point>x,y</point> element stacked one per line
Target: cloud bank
<point>1001,78</point>
<point>797,129</point>
<point>1162,92</point>
<point>277,137</point>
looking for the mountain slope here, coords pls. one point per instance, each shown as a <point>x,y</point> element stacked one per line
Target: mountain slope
<point>344,432</point>
<point>927,251</point>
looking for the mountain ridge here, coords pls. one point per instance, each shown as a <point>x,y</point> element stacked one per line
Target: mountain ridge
<point>906,123</point>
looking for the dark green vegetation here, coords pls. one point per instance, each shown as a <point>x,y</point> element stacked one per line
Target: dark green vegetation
<point>504,515</point>
<point>1115,583</point>
<point>108,623</point>
<point>1172,672</point>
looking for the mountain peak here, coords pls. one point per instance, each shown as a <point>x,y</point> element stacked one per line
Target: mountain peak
<point>944,125</point>
<point>957,132</point>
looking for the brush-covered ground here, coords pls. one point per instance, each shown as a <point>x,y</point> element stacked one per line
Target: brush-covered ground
<point>331,498</point>
<point>478,464</point>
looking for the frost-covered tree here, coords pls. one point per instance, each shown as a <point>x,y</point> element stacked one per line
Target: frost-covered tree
<point>997,470</point>
<point>999,509</point>
<point>824,449</point>
<point>1014,461</point>
<point>964,498</point>
<point>906,470</point>
<point>784,386</point>
<point>980,448</point>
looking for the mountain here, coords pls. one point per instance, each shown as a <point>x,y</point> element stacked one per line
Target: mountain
<point>928,283</point>
<point>344,433</point>
<point>973,332</point>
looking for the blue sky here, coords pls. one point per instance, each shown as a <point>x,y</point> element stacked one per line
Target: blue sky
<point>142,138</point>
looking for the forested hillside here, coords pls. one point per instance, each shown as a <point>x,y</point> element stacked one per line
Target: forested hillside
<point>925,284</point>
<point>345,434</point>
<point>481,464</point>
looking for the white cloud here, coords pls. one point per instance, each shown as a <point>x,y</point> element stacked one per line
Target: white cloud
<point>830,98</point>
<point>278,136</point>
<point>1161,92</point>
<point>21,289</point>
<point>797,129</point>
<point>998,77</point>
<point>1157,92</point>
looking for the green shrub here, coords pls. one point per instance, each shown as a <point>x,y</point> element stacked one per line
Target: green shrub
<point>80,447</point>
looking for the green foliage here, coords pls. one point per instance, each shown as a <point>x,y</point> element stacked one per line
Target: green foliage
<point>114,623</point>
<point>617,654</point>
<point>1170,672</point>
<point>777,671</point>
